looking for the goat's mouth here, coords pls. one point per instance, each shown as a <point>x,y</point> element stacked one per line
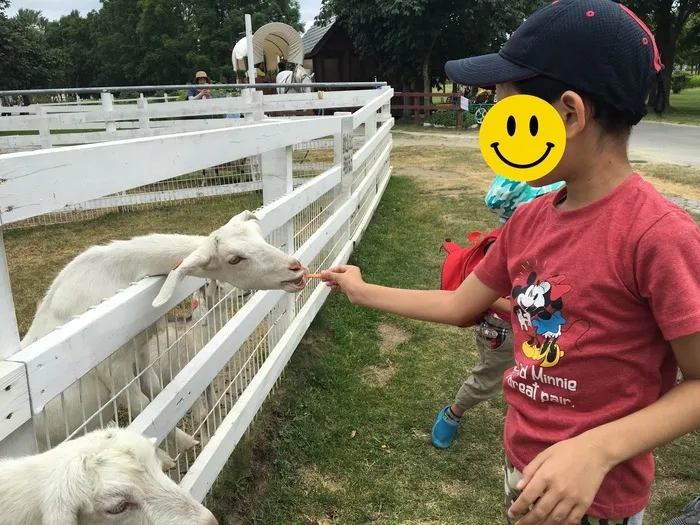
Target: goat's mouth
<point>294,285</point>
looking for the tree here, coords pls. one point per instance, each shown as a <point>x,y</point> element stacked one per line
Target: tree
<point>75,38</point>
<point>666,18</point>
<point>27,60</point>
<point>411,39</point>
<point>689,44</point>
<point>130,42</point>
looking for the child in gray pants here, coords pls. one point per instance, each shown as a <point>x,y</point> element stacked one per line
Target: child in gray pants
<point>494,336</point>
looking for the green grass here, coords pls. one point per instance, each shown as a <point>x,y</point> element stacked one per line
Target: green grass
<point>685,108</point>
<point>346,438</point>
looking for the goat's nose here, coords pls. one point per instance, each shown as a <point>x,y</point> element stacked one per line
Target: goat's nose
<point>295,265</point>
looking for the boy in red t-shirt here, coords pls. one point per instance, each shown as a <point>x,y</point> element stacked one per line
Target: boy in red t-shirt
<point>604,276</point>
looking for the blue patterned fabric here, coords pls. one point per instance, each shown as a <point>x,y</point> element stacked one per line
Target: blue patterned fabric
<point>505,195</point>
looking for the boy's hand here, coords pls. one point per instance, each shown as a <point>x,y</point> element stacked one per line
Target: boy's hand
<point>346,279</point>
<point>567,476</point>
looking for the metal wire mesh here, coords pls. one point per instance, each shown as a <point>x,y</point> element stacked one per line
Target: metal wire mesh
<point>312,158</point>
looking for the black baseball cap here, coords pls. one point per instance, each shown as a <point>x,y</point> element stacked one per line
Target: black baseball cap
<point>597,46</point>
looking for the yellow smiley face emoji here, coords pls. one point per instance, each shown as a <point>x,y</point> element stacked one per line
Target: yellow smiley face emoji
<point>522,137</point>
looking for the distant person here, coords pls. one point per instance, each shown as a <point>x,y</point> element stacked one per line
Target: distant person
<point>196,94</point>
<point>6,103</point>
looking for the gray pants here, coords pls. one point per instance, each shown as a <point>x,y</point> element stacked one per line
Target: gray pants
<point>487,376</point>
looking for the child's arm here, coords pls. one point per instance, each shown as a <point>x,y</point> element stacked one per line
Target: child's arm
<point>502,305</point>
<point>440,306</point>
<point>679,410</point>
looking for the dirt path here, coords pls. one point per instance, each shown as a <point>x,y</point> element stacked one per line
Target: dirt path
<point>416,138</point>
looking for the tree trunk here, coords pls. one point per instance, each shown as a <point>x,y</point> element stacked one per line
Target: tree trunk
<point>426,73</point>
<point>406,100</point>
<point>663,20</point>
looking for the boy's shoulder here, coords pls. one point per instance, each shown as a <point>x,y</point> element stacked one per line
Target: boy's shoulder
<point>647,207</point>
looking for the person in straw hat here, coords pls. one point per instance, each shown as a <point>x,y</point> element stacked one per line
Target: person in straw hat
<point>195,94</point>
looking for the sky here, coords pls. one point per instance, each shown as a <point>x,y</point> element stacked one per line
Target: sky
<point>55,8</point>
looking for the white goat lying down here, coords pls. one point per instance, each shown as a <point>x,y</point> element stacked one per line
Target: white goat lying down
<point>107,477</point>
<point>236,253</point>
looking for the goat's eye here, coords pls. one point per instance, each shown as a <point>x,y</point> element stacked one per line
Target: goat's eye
<point>119,509</point>
<point>236,260</point>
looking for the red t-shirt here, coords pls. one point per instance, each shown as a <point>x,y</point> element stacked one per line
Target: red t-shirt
<point>597,294</point>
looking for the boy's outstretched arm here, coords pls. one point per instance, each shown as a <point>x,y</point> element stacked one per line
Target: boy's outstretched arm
<point>440,306</point>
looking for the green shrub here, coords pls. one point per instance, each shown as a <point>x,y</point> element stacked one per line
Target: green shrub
<point>679,81</point>
<point>693,81</point>
<point>448,118</point>
<point>127,95</point>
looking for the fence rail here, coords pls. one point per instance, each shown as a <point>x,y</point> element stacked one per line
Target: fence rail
<point>248,342</point>
<point>51,126</point>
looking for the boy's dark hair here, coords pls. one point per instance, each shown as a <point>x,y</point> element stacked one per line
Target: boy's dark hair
<point>612,120</point>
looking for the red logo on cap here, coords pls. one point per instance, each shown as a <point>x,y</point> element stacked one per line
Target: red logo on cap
<point>590,14</point>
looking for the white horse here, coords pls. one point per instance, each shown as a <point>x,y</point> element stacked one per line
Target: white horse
<point>297,76</point>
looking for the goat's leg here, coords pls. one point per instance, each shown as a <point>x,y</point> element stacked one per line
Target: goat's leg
<point>149,380</point>
<point>205,409</point>
<point>133,398</point>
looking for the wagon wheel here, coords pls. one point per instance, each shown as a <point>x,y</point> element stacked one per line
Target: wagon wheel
<point>479,115</point>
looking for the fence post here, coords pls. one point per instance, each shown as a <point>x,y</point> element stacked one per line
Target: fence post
<point>21,440</point>
<point>108,107</point>
<point>278,181</point>
<point>343,151</point>
<point>256,115</point>
<point>386,108</point>
<point>142,104</point>
<point>111,127</point>
<point>370,127</point>
<point>44,128</point>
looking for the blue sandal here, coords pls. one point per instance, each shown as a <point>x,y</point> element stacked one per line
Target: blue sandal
<point>444,430</point>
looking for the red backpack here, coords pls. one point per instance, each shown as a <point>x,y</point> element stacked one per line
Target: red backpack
<point>460,262</point>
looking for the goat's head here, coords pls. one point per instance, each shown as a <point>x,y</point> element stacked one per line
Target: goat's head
<point>115,477</point>
<point>238,254</point>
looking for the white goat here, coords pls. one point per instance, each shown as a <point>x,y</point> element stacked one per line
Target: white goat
<point>107,477</point>
<point>236,253</point>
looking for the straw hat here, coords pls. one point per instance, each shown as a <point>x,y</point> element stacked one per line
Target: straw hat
<point>201,74</point>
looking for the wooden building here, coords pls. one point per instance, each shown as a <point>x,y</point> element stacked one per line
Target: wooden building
<point>328,52</point>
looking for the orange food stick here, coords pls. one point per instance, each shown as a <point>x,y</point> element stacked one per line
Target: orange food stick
<point>313,276</point>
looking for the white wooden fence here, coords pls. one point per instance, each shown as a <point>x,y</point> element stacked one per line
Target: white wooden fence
<point>249,344</point>
<point>55,125</point>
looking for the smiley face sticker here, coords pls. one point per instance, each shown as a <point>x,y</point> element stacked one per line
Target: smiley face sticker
<point>522,137</point>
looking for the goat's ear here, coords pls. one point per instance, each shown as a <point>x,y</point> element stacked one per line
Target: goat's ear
<point>69,496</point>
<point>246,215</point>
<point>210,288</point>
<point>166,462</point>
<point>193,264</point>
